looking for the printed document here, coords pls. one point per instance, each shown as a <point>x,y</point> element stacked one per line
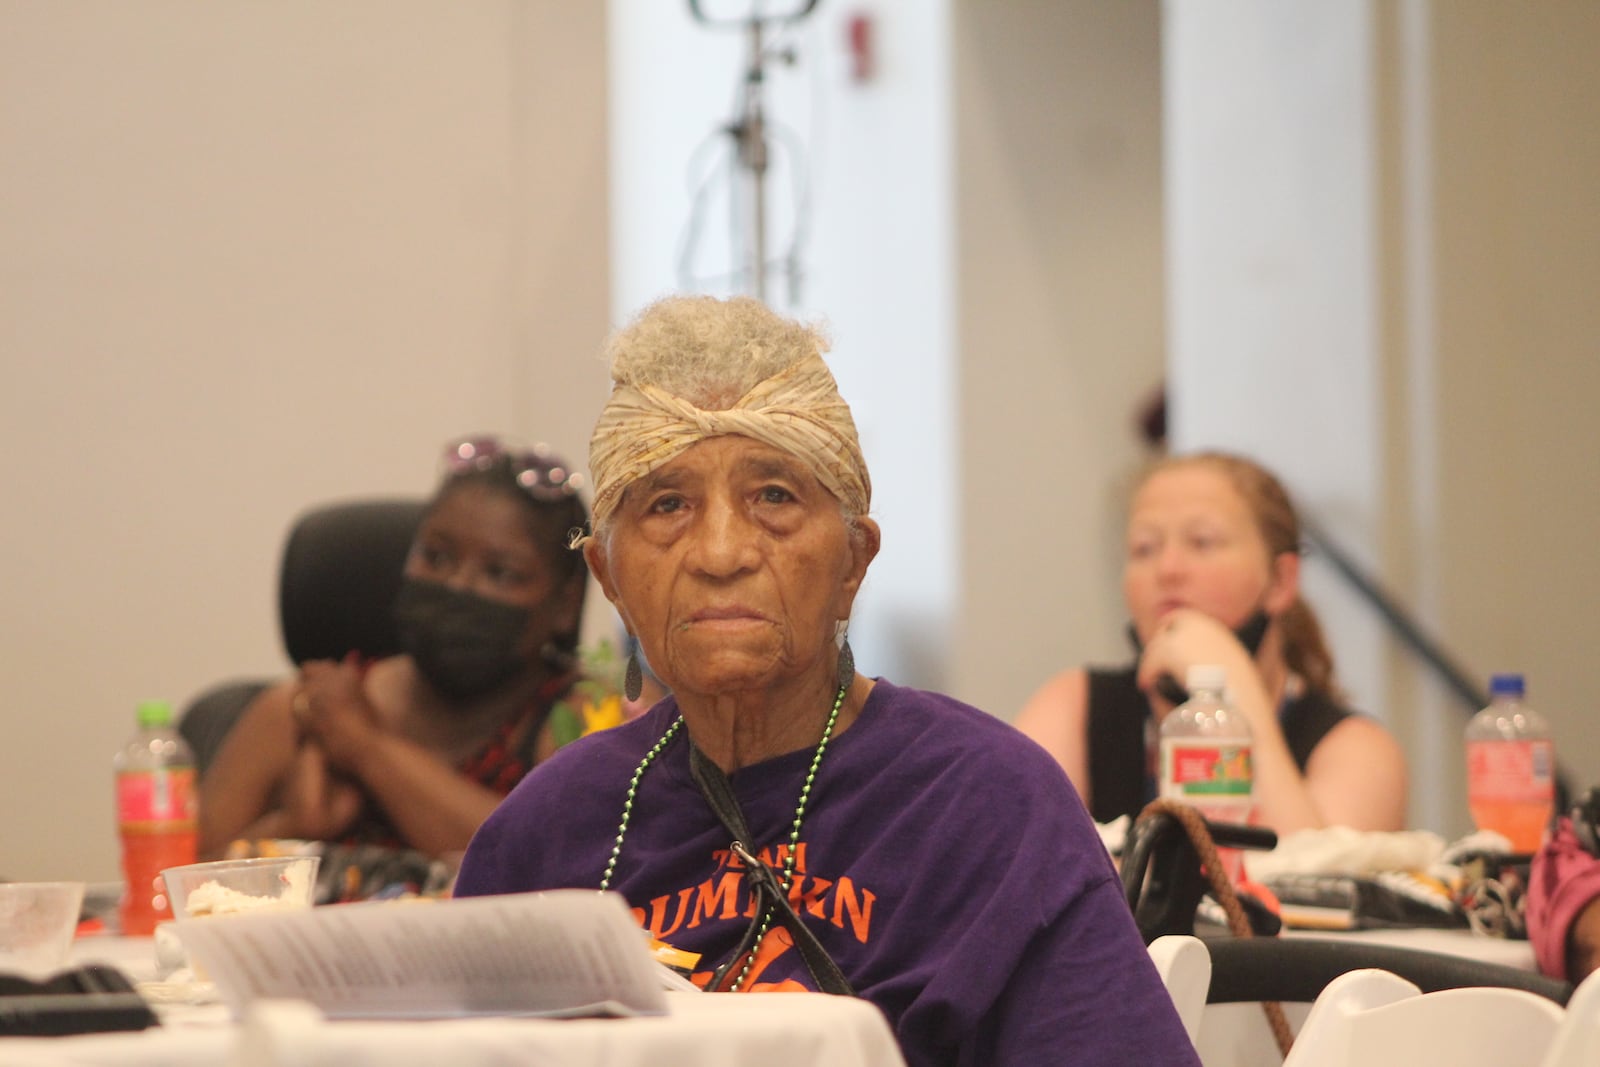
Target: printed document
<point>569,952</point>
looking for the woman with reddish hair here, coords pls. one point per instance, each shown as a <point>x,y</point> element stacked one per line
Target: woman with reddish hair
<point>1212,576</point>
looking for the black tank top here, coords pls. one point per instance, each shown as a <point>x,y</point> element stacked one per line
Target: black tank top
<point>1121,780</point>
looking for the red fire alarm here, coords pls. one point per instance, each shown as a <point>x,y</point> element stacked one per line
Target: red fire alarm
<point>863,51</point>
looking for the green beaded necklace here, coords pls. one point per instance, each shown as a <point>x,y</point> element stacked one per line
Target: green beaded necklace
<point>794,829</point>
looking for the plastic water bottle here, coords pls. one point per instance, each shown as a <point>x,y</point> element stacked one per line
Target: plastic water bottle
<point>1511,784</point>
<point>155,776</point>
<point>1205,756</point>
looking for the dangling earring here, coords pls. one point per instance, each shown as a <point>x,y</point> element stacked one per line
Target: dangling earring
<point>847,658</point>
<point>633,680</point>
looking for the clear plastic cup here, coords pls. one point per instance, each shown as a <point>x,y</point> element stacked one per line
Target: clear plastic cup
<point>232,887</point>
<point>239,887</point>
<point>37,923</point>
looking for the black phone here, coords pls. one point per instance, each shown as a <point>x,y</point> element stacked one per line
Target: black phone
<point>91,998</point>
<point>1250,633</point>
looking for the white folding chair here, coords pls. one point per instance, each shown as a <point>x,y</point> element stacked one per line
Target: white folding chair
<point>1374,1018</point>
<point>1184,964</point>
<point>1577,1040</point>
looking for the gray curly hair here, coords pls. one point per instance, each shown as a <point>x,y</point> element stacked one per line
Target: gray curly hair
<point>707,351</point>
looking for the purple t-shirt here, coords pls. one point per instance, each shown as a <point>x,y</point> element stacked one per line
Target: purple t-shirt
<point>945,863</point>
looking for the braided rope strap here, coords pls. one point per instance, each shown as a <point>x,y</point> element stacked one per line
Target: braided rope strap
<point>1194,824</point>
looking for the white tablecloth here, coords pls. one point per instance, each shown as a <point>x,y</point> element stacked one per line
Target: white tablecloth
<point>706,1030</point>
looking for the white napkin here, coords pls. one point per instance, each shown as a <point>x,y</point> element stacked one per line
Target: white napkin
<point>1342,850</point>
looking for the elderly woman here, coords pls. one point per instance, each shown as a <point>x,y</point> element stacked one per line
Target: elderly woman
<point>782,821</point>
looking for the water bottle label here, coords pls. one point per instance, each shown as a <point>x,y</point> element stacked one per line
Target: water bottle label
<point>1206,771</point>
<point>1513,771</point>
<point>149,797</point>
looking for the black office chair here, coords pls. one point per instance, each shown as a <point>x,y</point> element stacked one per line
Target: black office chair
<point>337,582</point>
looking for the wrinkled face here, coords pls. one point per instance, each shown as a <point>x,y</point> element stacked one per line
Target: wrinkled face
<point>476,540</point>
<point>732,565</point>
<point>1192,542</point>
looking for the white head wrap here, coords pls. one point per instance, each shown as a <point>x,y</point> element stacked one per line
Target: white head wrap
<point>798,410</point>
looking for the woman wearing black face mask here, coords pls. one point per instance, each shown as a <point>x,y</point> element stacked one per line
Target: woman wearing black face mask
<point>1212,575</point>
<point>414,751</point>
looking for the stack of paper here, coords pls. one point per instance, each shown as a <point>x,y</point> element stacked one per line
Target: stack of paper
<point>565,953</point>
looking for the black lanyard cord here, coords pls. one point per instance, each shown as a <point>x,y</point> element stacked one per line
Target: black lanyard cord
<point>768,889</point>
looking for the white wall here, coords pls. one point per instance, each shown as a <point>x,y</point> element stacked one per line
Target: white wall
<point>257,256</point>
<point>1272,261</point>
<point>1061,328</point>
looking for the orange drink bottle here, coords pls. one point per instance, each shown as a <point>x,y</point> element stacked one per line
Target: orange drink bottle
<point>1510,766</point>
<point>155,782</point>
